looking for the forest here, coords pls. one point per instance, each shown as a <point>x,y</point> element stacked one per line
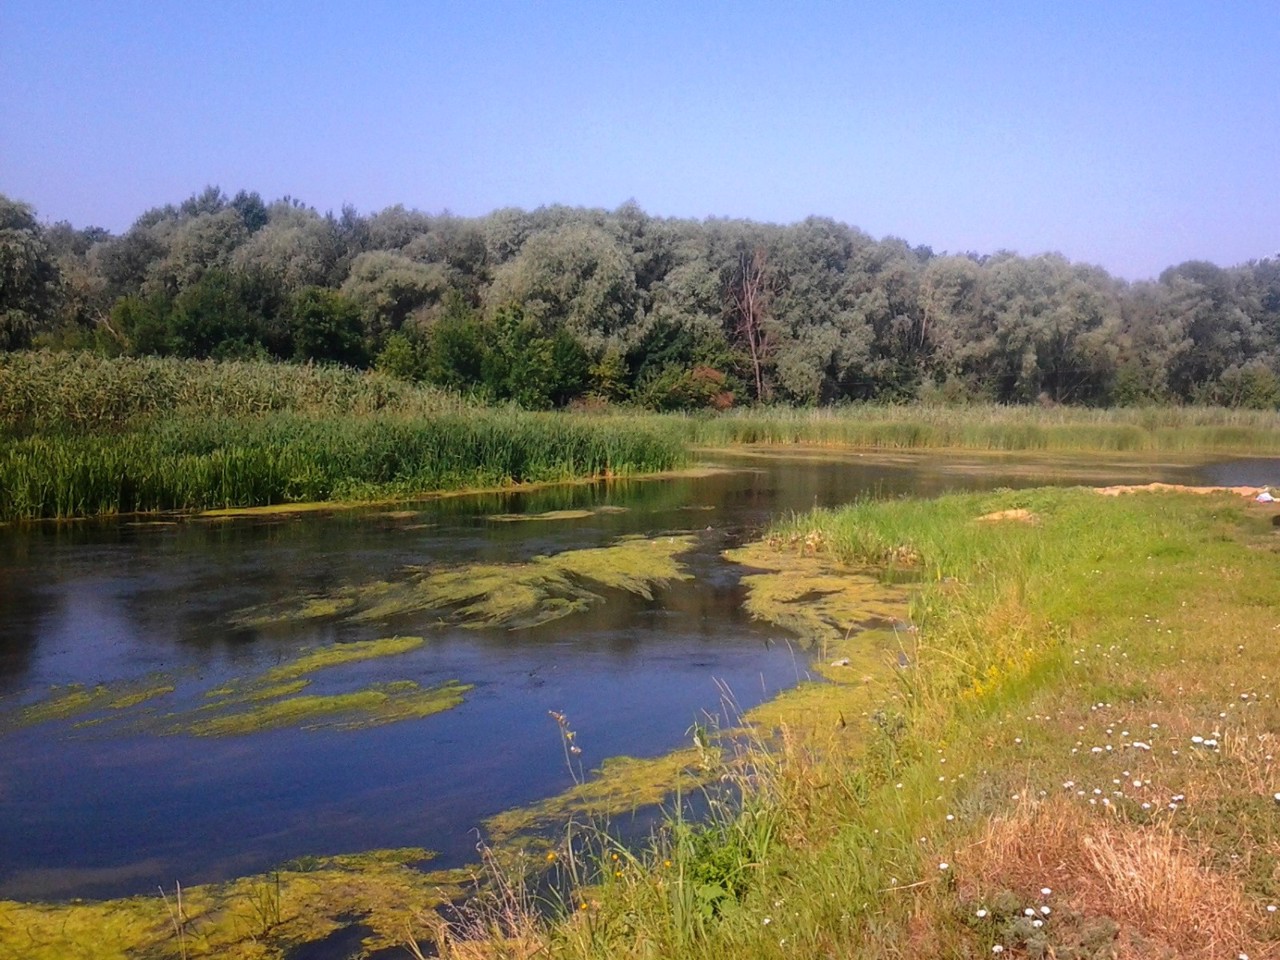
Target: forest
<point>569,306</point>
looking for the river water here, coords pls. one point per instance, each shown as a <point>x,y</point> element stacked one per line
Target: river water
<point>104,809</point>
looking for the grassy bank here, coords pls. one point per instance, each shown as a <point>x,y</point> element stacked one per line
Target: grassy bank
<point>82,435</point>
<point>1070,752</point>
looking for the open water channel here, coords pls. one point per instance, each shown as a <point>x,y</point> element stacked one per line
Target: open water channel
<point>119,798</point>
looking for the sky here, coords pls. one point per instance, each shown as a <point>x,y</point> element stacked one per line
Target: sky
<point>1130,134</point>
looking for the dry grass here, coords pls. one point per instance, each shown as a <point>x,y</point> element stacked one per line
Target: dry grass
<point>1155,885</point>
<point>1254,755</point>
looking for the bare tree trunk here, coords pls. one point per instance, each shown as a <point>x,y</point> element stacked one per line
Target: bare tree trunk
<point>749,296</point>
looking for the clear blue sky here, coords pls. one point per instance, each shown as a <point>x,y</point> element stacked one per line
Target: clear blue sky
<point>1134,135</point>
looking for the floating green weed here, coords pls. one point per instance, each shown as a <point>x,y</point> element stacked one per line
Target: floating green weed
<point>270,699</point>
<point>818,601</point>
<point>372,706</point>
<point>264,917</point>
<point>336,654</point>
<point>515,595</point>
<point>621,785</point>
<point>78,701</point>
<point>547,515</point>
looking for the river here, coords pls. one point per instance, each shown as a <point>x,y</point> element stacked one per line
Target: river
<point>117,799</point>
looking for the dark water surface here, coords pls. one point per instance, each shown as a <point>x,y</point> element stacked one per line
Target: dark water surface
<point>88,811</point>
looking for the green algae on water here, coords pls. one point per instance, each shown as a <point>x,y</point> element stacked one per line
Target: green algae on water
<point>263,917</point>
<point>567,514</point>
<point>372,706</point>
<point>271,699</point>
<point>621,785</point>
<point>514,596</point>
<point>335,654</point>
<point>76,701</point>
<point>547,515</point>
<point>820,601</point>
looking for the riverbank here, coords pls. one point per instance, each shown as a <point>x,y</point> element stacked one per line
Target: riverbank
<point>1068,704</point>
<point>88,436</point>
<point>1075,755</point>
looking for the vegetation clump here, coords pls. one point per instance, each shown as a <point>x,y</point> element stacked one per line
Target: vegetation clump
<point>78,701</point>
<point>380,894</point>
<point>270,699</point>
<point>196,462</point>
<point>371,706</point>
<point>515,596</point>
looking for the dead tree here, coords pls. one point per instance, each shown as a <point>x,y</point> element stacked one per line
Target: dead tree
<point>749,295</point>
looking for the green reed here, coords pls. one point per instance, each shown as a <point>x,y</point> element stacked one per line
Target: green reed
<point>45,391</point>
<point>994,427</point>
<point>191,463</point>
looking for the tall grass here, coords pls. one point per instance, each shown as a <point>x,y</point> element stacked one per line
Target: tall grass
<point>88,435</point>
<point>1001,428</point>
<point>42,392</point>
<point>191,463</point>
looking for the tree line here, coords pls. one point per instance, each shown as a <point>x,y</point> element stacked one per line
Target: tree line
<point>561,305</point>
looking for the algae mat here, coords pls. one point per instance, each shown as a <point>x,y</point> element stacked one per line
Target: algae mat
<point>272,698</point>
<point>838,612</point>
<point>482,595</point>
<point>263,917</point>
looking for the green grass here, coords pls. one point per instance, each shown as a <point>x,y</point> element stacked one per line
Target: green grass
<point>974,782</point>
<point>43,392</point>
<point>1000,428</point>
<point>194,463</point>
<point>85,436</point>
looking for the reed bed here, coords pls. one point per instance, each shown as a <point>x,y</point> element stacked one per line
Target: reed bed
<point>995,427</point>
<point>193,463</point>
<point>42,391</point>
<point>82,435</point>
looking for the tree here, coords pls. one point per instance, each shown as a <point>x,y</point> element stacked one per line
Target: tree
<point>823,345</point>
<point>211,319</point>
<point>1215,333</point>
<point>389,287</point>
<point>526,363</point>
<point>203,242</point>
<point>124,262</point>
<point>144,324</point>
<point>296,247</point>
<point>28,276</point>
<point>403,356</point>
<point>574,276</point>
<point>456,347</point>
<point>749,294</point>
<point>251,209</point>
<point>326,327</point>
